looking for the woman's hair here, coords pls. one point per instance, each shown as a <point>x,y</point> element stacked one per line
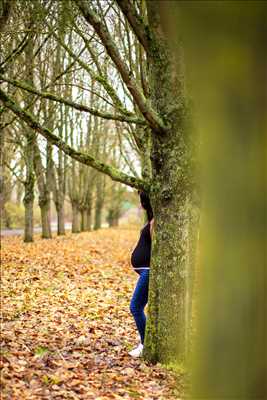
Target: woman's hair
<point>145,203</point>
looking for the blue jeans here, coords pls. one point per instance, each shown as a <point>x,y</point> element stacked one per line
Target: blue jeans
<point>139,301</point>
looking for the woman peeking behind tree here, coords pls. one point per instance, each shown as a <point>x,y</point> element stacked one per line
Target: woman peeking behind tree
<point>140,260</point>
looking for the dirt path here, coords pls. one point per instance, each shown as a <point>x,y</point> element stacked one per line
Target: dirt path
<point>67,328</point>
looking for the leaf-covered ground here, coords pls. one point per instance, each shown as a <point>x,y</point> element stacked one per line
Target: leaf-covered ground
<point>66,328</point>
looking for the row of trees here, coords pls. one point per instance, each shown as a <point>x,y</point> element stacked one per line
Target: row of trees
<point>28,160</point>
<point>56,178</point>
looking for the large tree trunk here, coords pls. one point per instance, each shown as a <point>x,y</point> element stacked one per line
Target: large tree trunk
<point>171,196</point>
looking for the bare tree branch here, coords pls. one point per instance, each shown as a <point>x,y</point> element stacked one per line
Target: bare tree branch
<point>99,78</point>
<point>77,106</point>
<point>143,104</point>
<point>82,157</point>
<point>14,173</point>
<point>135,21</point>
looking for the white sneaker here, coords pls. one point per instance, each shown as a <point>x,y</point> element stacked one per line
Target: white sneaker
<point>137,352</point>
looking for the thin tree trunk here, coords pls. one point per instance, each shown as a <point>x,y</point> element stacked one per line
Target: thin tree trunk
<point>76,225</point>
<point>44,195</point>
<point>83,219</point>
<point>45,216</point>
<point>29,189</point>
<point>58,197</point>
<point>89,219</point>
<point>60,220</point>
<point>28,199</point>
<point>28,204</point>
<point>99,202</point>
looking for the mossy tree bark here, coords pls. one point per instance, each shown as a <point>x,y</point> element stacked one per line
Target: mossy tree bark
<point>171,196</point>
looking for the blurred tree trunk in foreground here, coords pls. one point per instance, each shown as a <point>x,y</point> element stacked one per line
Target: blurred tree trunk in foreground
<point>229,86</point>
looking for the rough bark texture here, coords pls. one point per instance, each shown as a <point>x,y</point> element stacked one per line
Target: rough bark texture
<point>171,199</point>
